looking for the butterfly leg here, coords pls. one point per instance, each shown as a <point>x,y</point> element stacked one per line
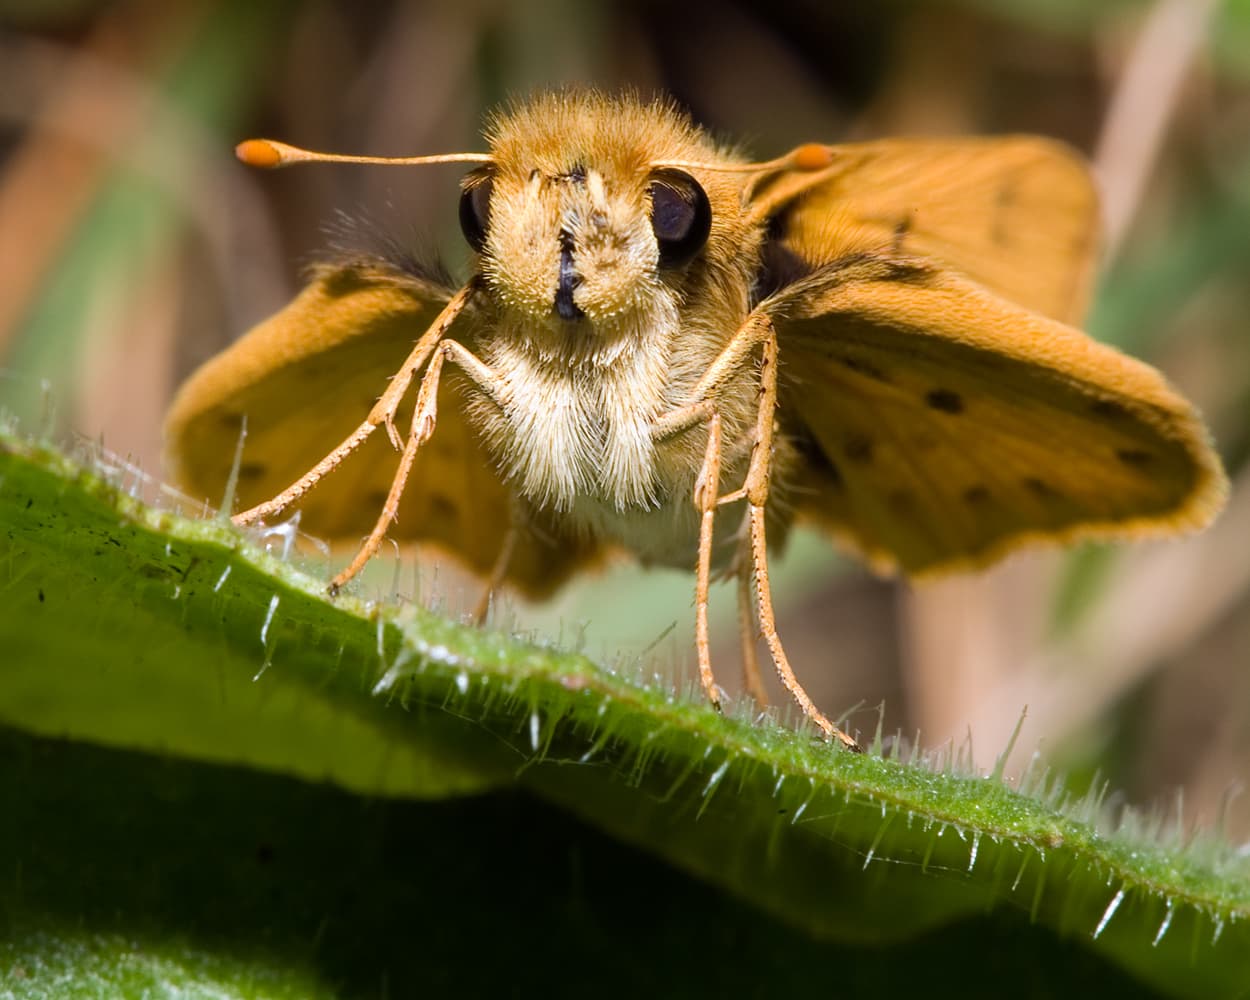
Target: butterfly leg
<point>707,500</point>
<point>756,332</point>
<point>706,490</point>
<point>383,413</point>
<point>424,419</point>
<point>759,472</point>
<point>496,578</point>
<point>748,630</point>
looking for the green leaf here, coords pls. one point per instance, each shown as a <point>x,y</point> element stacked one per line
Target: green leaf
<point>133,627</point>
<point>142,876</point>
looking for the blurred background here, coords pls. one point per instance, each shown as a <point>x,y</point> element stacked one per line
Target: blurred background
<point>133,246</point>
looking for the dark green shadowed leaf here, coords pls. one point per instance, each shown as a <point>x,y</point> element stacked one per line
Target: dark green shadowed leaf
<point>143,876</point>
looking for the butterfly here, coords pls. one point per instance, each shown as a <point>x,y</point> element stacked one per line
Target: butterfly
<point>668,349</point>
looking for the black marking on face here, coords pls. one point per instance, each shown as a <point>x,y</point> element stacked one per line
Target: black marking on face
<point>945,400</point>
<point>565,307</point>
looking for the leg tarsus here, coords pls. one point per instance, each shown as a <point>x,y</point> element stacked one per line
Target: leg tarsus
<point>705,489</point>
<point>392,431</point>
<point>748,634</point>
<point>768,626</point>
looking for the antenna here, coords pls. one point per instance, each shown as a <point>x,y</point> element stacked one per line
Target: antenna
<point>270,154</point>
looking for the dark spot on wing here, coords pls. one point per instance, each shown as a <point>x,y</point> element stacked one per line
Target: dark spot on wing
<point>443,507</point>
<point>945,400</point>
<point>251,470</point>
<point>1040,488</point>
<point>858,448</point>
<point>443,447</point>
<point>1108,408</point>
<point>976,495</point>
<point>1134,457</point>
<point>865,368</point>
<point>1004,198</point>
<point>901,229</point>
<point>317,365</point>
<point>834,474</point>
<point>901,501</point>
<point>871,266</point>
<point>813,457</point>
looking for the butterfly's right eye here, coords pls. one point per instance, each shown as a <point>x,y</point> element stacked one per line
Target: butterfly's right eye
<point>475,209</point>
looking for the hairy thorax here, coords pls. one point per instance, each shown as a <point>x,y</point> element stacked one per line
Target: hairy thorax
<point>575,437</point>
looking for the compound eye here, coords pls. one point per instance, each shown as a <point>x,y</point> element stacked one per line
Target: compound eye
<point>681,216</point>
<point>475,209</point>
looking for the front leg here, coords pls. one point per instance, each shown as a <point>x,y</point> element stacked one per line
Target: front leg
<point>757,332</point>
<point>382,414</point>
<point>424,420</point>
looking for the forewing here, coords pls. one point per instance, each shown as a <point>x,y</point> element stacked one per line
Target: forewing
<point>1018,214</point>
<point>942,426</point>
<point>304,379</point>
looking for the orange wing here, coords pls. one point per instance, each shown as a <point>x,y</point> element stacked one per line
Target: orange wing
<point>304,379</point>
<point>1018,215</point>
<point>944,426</point>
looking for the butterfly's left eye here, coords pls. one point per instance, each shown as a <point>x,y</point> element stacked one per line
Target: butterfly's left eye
<point>681,216</point>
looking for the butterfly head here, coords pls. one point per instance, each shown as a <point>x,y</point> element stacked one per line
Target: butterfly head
<point>581,231</point>
<point>590,214</point>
